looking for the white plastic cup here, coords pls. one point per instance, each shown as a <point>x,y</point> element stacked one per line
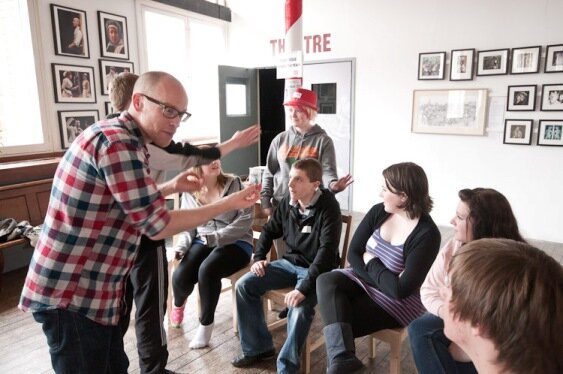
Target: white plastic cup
<point>255,174</point>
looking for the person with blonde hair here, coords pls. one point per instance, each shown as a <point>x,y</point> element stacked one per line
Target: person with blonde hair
<point>503,306</point>
<point>212,251</point>
<point>480,213</point>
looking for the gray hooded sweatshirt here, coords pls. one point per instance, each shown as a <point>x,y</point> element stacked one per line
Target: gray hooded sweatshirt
<point>288,147</point>
<point>224,229</point>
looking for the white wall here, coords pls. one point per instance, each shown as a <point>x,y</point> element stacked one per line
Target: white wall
<point>45,52</point>
<point>385,37</point>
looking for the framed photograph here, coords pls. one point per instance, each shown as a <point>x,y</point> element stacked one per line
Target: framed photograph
<point>554,59</point>
<point>518,131</point>
<point>109,108</point>
<point>459,112</point>
<point>113,35</point>
<point>552,97</point>
<point>492,62</point>
<point>461,66</point>
<point>110,69</point>
<point>73,84</point>
<point>431,65</point>
<point>72,123</point>
<point>521,98</point>
<point>550,132</point>
<point>525,60</point>
<point>70,32</point>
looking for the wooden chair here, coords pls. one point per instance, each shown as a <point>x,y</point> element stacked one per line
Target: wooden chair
<point>278,296</point>
<point>395,338</point>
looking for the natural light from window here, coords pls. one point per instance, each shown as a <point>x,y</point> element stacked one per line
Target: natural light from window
<point>190,49</point>
<point>20,120</point>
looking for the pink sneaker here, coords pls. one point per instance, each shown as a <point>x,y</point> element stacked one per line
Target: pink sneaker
<point>177,315</point>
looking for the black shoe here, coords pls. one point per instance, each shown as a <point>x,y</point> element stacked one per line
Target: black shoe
<point>283,313</point>
<point>242,360</point>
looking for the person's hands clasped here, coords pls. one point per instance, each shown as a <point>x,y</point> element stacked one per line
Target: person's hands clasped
<point>259,268</point>
<point>246,137</point>
<point>341,184</point>
<point>294,298</point>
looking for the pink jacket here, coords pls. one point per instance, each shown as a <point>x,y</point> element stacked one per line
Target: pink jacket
<point>436,277</point>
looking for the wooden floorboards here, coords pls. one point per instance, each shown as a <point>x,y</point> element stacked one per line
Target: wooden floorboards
<point>23,347</point>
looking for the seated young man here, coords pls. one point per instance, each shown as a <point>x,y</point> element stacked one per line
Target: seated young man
<point>504,307</point>
<point>309,220</point>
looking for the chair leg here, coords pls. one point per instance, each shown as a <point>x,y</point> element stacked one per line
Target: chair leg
<point>373,349</point>
<point>306,356</point>
<point>395,356</point>
<point>234,301</point>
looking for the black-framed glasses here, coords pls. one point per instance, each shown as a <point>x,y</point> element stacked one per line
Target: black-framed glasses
<point>168,111</point>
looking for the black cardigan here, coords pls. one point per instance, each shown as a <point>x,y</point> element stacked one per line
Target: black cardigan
<point>317,248</point>
<point>419,251</point>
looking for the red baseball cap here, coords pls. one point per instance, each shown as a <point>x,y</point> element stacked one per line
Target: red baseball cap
<point>303,97</point>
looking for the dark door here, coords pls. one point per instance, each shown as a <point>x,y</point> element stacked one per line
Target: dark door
<point>238,106</point>
<point>272,114</point>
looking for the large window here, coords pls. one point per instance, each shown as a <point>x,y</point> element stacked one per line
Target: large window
<point>190,47</point>
<point>22,129</point>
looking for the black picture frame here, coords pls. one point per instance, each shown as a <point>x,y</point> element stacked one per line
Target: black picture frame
<point>462,62</point>
<point>521,98</point>
<point>525,60</point>
<point>550,133</point>
<point>70,86</point>
<point>431,65</point>
<point>73,122</point>
<point>554,59</point>
<point>114,37</point>
<point>518,131</point>
<point>109,69</point>
<point>493,62</point>
<point>69,24</point>
<point>552,98</point>
<point>108,108</point>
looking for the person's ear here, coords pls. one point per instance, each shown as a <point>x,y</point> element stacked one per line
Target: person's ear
<point>317,184</point>
<point>137,102</point>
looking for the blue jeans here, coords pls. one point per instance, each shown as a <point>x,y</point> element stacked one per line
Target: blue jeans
<point>254,335</point>
<point>429,348</point>
<point>80,345</point>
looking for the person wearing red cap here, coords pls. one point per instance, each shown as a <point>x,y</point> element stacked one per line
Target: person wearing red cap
<point>304,139</point>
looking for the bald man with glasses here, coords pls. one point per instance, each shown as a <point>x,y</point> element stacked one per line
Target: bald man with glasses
<point>148,279</point>
<point>102,200</point>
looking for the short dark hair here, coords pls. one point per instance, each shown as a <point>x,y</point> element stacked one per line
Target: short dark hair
<point>410,179</point>
<point>514,293</point>
<point>490,214</point>
<point>311,167</point>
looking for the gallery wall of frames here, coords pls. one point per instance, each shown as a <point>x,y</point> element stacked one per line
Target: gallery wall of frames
<point>463,111</point>
<point>75,83</point>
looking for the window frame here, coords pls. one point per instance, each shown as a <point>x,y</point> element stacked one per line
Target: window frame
<point>49,146</point>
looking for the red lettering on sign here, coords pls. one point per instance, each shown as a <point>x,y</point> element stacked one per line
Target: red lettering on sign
<point>312,44</point>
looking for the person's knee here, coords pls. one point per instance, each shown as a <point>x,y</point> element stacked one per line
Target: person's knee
<point>326,284</point>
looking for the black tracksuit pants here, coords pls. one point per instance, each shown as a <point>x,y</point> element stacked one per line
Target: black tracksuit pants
<point>148,286</point>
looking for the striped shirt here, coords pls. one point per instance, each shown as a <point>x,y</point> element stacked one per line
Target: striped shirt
<point>101,201</point>
<point>403,310</point>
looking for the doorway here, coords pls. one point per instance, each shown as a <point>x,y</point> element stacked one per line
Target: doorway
<point>333,81</point>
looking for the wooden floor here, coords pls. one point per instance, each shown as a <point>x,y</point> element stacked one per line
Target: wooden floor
<point>23,347</point>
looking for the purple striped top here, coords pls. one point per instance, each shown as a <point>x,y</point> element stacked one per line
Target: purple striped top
<point>403,310</point>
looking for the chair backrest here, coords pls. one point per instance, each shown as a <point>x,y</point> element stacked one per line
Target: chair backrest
<point>345,239</point>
